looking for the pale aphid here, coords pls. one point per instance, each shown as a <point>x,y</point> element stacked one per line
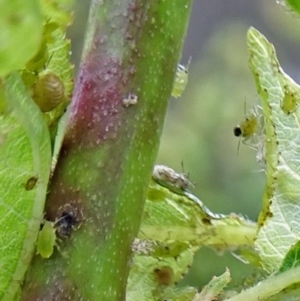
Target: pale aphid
<point>289,102</point>
<point>181,79</point>
<point>46,240</point>
<point>69,219</point>
<point>250,126</point>
<point>247,128</point>
<point>253,128</point>
<point>167,176</point>
<point>48,92</point>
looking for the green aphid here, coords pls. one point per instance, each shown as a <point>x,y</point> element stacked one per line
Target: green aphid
<point>69,219</point>
<point>46,240</point>
<point>289,103</point>
<point>250,126</point>
<point>247,128</point>
<point>181,80</point>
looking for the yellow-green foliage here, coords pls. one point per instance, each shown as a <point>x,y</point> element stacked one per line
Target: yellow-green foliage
<point>33,45</point>
<point>49,74</point>
<point>280,96</point>
<point>20,35</point>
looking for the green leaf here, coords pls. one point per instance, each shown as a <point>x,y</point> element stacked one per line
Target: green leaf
<point>175,224</point>
<point>52,57</point>
<point>294,4</point>
<point>25,167</point>
<point>173,215</point>
<point>153,278</point>
<point>279,221</point>
<point>58,11</point>
<point>292,258</point>
<point>271,287</point>
<point>20,33</point>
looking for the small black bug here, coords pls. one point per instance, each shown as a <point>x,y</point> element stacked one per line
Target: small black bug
<point>68,220</point>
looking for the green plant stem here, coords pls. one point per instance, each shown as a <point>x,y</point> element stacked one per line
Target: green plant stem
<point>132,49</point>
<point>269,287</point>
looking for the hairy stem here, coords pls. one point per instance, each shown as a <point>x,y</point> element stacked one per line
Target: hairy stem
<point>130,56</point>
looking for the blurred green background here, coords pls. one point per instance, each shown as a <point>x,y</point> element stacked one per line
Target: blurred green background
<point>199,126</point>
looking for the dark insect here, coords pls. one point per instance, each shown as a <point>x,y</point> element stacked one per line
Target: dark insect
<point>48,92</point>
<point>68,220</point>
<point>31,182</point>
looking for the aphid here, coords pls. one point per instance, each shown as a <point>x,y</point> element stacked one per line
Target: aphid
<point>181,79</point>
<point>48,92</point>
<point>31,182</point>
<point>46,240</point>
<point>249,127</point>
<point>164,275</point>
<point>166,175</point>
<point>290,102</point>
<point>130,100</point>
<point>253,128</point>
<point>69,220</point>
